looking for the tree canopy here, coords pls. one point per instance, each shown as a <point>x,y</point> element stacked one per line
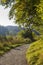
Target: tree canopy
<point>25,11</point>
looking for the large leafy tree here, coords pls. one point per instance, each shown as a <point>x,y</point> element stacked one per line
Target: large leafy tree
<point>25,12</point>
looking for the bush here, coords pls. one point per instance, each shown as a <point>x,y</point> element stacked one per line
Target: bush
<point>22,40</point>
<point>34,54</point>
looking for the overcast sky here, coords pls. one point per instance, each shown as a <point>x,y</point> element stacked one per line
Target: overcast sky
<point>4,19</point>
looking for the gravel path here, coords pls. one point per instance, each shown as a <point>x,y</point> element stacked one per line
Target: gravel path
<point>15,56</point>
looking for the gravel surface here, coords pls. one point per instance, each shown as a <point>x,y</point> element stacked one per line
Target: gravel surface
<point>15,56</point>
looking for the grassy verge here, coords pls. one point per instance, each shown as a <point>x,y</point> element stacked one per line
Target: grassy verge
<point>34,54</point>
<point>9,42</point>
<point>7,48</point>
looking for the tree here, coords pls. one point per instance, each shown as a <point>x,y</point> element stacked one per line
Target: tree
<point>25,12</point>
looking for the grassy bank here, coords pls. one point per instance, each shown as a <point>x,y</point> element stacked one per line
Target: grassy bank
<point>34,54</point>
<point>9,42</point>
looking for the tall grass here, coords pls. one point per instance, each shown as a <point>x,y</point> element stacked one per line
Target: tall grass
<point>34,54</point>
<point>9,42</point>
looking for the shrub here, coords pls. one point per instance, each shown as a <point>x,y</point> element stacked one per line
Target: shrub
<point>19,39</point>
<point>34,54</point>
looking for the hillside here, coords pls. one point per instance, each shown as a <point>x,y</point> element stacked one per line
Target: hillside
<point>9,30</point>
<point>3,30</point>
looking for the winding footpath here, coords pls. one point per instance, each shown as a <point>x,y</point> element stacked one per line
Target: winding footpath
<point>15,56</point>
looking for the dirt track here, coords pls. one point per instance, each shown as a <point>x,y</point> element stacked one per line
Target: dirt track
<point>15,56</point>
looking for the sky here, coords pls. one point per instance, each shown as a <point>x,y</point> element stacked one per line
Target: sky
<point>4,19</point>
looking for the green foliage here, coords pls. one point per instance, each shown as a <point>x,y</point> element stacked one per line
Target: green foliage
<point>21,39</point>
<point>24,33</point>
<point>26,9</point>
<point>34,54</point>
<point>27,34</point>
<point>9,42</point>
<point>23,9</point>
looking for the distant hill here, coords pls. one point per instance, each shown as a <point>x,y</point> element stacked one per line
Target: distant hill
<point>3,30</point>
<point>9,30</point>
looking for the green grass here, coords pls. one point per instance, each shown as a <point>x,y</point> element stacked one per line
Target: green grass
<point>9,42</point>
<point>6,48</point>
<point>34,54</point>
